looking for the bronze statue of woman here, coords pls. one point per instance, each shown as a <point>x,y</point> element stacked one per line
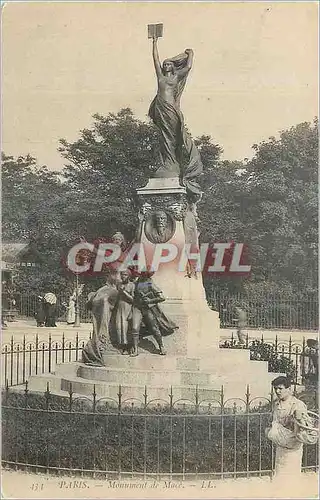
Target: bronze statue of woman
<point>166,114</point>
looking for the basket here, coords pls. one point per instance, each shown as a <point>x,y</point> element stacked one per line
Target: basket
<point>308,433</point>
<point>50,298</point>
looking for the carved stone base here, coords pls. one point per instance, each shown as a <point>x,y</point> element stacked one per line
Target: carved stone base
<point>159,376</point>
<point>185,296</point>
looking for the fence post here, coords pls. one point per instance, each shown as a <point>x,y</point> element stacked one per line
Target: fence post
<point>119,399</point>
<point>222,429</point>
<point>5,362</point>
<point>94,394</point>
<point>18,364</point>
<point>145,397</point>
<point>303,371</point>
<point>70,396</point>
<point>248,429</point>
<point>234,411</point>
<point>49,354</point>
<point>77,346</point>
<point>11,360</point>
<point>26,392</point>
<point>37,348</point>
<point>297,367</point>
<point>7,391</point>
<point>63,341</point>
<point>43,369</point>
<point>290,347</point>
<point>24,358</point>
<point>47,396</point>
<point>171,398</point>
<point>197,398</point>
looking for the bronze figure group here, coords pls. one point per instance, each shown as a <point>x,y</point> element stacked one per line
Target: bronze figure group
<point>122,310</point>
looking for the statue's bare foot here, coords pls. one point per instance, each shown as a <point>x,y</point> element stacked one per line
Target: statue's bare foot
<point>162,352</point>
<point>134,352</point>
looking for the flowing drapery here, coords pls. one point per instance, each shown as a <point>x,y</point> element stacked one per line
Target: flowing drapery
<point>174,136</point>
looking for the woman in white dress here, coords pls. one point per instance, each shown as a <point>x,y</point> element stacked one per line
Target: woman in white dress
<point>283,432</point>
<point>71,310</point>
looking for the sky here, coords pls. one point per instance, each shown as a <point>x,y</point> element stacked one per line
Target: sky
<point>255,70</point>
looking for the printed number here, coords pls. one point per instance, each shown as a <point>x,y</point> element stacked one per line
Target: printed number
<point>37,486</point>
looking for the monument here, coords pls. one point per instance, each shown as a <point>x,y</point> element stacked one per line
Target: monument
<point>167,215</point>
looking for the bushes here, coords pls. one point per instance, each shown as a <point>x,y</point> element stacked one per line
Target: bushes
<point>134,442</point>
<point>277,362</point>
<point>147,440</point>
<point>40,430</point>
<point>261,351</point>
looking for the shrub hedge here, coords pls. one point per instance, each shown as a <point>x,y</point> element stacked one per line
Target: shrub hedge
<point>42,431</point>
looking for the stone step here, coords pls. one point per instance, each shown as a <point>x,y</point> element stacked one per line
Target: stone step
<point>161,376</point>
<point>157,374</point>
<point>168,377</point>
<point>214,359</point>
<point>61,386</point>
<point>234,387</point>
<point>149,377</point>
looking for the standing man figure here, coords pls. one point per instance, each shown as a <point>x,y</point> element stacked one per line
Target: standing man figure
<point>313,351</point>
<point>40,313</point>
<point>287,411</point>
<point>145,307</point>
<point>241,318</point>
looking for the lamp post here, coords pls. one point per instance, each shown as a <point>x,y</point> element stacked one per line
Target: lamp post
<point>77,305</point>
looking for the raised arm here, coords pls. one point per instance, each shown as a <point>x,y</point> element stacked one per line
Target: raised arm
<point>188,65</point>
<point>156,59</point>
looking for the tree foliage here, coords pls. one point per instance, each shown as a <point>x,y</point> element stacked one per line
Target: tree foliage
<point>269,203</point>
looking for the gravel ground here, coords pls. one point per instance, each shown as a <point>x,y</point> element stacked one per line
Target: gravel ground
<point>28,328</point>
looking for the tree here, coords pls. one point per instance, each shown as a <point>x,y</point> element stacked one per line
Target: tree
<point>34,204</point>
<point>25,185</point>
<point>269,203</point>
<point>105,166</point>
<point>280,222</point>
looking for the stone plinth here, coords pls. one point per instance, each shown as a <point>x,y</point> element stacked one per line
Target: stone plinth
<point>180,376</point>
<point>185,296</point>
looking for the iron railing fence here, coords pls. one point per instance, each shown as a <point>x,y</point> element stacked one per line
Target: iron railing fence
<point>297,360</point>
<point>117,438</point>
<point>266,311</point>
<point>26,306</point>
<point>23,358</point>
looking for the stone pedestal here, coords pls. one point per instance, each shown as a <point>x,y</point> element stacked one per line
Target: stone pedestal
<point>194,367</point>
<point>185,296</point>
<point>186,378</point>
